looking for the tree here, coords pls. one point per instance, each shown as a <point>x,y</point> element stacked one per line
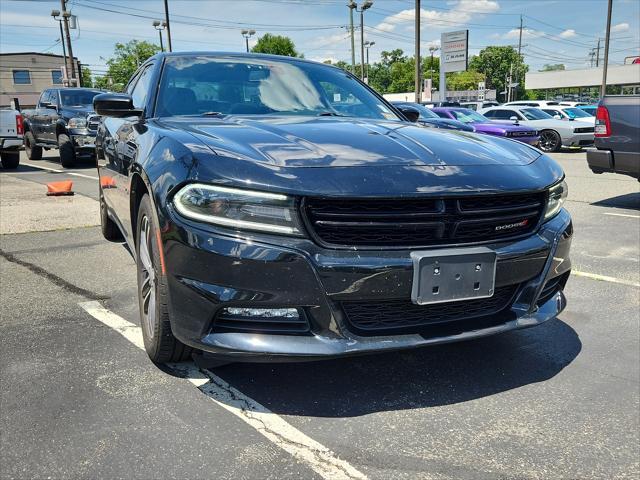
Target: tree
<point>126,59</point>
<point>87,81</point>
<point>467,80</point>
<point>275,45</point>
<point>495,63</point>
<point>552,67</point>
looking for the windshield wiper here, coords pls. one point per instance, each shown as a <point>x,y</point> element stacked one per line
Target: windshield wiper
<point>212,114</point>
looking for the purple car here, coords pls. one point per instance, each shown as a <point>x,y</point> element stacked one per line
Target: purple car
<point>483,125</point>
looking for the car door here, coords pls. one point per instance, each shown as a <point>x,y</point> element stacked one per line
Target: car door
<point>36,120</point>
<point>50,117</point>
<point>118,151</point>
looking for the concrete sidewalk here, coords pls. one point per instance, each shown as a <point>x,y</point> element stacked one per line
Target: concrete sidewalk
<point>25,207</point>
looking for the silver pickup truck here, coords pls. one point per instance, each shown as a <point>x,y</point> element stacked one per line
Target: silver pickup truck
<point>11,130</point>
<point>617,136</point>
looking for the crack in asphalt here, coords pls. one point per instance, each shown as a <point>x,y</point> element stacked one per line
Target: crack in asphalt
<point>52,277</point>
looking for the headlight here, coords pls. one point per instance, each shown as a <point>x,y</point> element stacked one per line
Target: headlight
<point>241,209</point>
<point>557,195</point>
<point>77,122</point>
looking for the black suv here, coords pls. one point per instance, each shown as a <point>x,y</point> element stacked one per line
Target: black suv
<point>64,118</point>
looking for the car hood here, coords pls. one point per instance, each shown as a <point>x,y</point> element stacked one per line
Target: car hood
<point>346,142</point>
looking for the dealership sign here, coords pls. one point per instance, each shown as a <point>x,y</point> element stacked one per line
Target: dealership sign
<point>455,51</point>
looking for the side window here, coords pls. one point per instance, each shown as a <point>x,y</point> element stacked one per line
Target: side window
<point>490,114</point>
<point>141,88</point>
<point>44,98</point>
<point>503,114</point>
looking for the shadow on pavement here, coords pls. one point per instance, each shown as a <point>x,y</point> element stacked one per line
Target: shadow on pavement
<point>629,201</point>
<point>427,377</point>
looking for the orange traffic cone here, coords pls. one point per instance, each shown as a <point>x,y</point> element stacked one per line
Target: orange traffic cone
<point>60,188</point>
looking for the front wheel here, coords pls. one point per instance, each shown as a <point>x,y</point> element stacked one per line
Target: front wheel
<point>67,151</point>
<point>550,141</point>
<point>10,160</point>
<point>153,299</point>
<point>31,149</point>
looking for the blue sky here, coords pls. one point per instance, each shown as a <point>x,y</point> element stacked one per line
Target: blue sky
<point>555,31</point>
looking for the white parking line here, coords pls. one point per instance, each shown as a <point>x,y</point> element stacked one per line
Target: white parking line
<point>57,170</point>
<point>604,278</point>
<point>622,215</point>
<point>322,460</point>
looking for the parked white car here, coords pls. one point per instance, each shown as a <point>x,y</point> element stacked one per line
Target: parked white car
<point>569,114</point>
<point>554,134</point>
<point>11,131</point>
<point>479,104</point>
<point>532,103</point>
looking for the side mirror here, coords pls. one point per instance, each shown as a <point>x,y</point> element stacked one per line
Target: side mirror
<point>49,105</point>
<point>119,105</point>
<point>557,117</point>
<point>411,113</point>
<point>514,118</point>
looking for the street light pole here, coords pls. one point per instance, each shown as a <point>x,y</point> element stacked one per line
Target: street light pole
<point>605,64</point>
<point>55,14</point>
<point>418,97</point>
<point>247,34</point>
<point>351,6</point>
<point>365,6</point>
<point>158,25</point>
<point>368,45</point>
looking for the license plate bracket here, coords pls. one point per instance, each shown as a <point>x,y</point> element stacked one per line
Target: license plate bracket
<point>451,275</point>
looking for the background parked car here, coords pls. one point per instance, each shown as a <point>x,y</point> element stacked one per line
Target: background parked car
<point>483,125</point>
<point>11,130</point>
<point>554,134</point>
<point>532,103</point>
<point>590,109</point>
<point>479,105</point>
<point>429,118</point>
<point>569,113</point>
<point>64,119</point>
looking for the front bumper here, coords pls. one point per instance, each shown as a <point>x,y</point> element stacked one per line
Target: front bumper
<point>84,140</point>
<point>578,140</point>
<point>209,271</point>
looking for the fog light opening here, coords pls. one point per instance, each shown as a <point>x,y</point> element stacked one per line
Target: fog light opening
<point>290,313</point>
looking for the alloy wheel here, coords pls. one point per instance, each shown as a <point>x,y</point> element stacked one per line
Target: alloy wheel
<point>548,141</point>
<point>148,277</point>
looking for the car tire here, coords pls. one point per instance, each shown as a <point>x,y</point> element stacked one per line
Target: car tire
<point>153,300</point>
<point>67,152</point>
<point>550,141</point>
<point>31,149</point>
<point>110,230</point>
<point>10,160</point>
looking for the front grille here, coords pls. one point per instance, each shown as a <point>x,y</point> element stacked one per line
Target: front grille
<point>93,121</point>
<point>584,130</point>
<point>226,323</point>
<point>398,316</point>
<point>422,222</point>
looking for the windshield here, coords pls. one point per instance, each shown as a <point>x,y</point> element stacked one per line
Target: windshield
<point>77,98</point>
<point>534,114</point>
<point>467,115</point>
<point>576,113</point>
<point>197,85</point>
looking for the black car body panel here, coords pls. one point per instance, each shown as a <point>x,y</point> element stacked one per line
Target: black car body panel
<point>210,268</point>
<point>620,151</point>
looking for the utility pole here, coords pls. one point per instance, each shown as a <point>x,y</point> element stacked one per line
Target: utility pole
<point>71,70</point>
<point>418,83</point>
<point>519,49</point>
<point>598,53</point>
<point>166,19</point>
<point>603,87</point>
<point>351,6</point>
<point>510,82</point>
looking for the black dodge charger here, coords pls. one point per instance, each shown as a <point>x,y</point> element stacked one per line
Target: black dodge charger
<point>279,208</point>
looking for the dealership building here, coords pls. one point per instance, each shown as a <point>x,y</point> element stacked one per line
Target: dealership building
<point>585,83</point>
<point>25,75</point>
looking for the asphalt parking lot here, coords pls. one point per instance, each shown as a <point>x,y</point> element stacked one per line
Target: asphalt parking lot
<point>80,399</point>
